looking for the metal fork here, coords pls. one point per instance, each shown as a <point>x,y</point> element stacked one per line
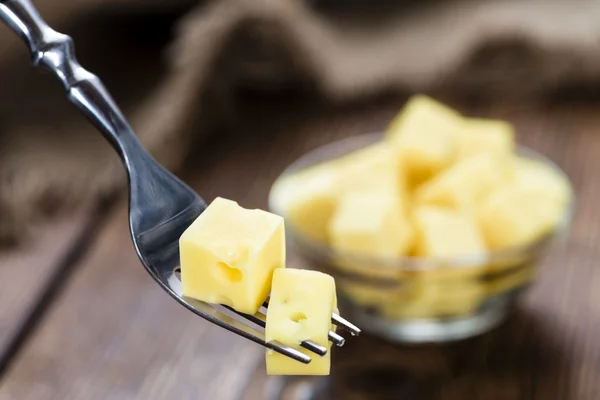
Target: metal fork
<point>161,206</point>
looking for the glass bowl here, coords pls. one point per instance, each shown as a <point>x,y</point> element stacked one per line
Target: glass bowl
<point>420,300</point>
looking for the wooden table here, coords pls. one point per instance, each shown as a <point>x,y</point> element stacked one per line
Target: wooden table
<point>81,319</point>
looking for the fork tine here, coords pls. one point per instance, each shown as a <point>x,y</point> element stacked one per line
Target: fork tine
<point>252,318</point>
<point>307,344</point>
<point>344,324</point>
<point>288,351</point>
<point>336,339</point>
<point>235,325</point>
<point>314,347</point>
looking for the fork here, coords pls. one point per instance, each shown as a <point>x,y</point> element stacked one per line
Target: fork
<point>161,206</point>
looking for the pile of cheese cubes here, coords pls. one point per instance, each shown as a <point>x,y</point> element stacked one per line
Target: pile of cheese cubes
<point>236,257</point>
<point>438,185</point>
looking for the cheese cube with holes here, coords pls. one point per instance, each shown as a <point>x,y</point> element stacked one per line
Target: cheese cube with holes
<point>466,182</point>
<point>300,309</point>
<point>444,233</point>
<point>485,136</point>
<point>229,253</point>
<point>424,135</point>
<point>371,224</point>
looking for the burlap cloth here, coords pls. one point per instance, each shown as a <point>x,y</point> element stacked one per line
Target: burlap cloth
<point>171,65</point>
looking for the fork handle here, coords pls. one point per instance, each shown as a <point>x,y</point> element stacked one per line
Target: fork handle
<point>54,51</point>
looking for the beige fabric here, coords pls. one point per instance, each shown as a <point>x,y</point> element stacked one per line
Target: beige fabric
<point>51,160</point>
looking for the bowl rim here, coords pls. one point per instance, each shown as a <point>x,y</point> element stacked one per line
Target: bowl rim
<point>318,155</point>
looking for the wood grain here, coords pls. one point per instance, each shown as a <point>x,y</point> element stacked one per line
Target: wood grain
<point>114,334</point>
<point>26,272</point>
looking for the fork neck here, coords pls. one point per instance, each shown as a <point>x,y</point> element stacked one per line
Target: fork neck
<point>94,101</point>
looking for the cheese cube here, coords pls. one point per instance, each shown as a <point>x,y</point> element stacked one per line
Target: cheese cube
<point>444,233</point>
<point>373,167</point>
<point>300,309</point>
<point>370,224</point>
<point>308,200</point>
<point>525,209</point>
<point>515,215</point>
<point>434,300</point>
<point>424,136</point>
<point>373,295</point>
<point>485,136</point>
<point>228,255</point>
<point>541,179</point>
<point>466,182</point>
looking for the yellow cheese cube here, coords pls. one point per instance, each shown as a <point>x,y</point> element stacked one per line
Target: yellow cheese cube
<point>515,215</point>
<point>424,136</point>
<point>485,136</point>
<point>541,179</point>
<point>526,208</point>
<point>374,167</point>
<point>466,182</point>
<point>444,233</point>
<point>452,298</point>
<point>370,224</point>
<point>443,299</point>
<point>228,255</point>
<point>300,309</point>
<point>373,295</point>
<point>308,200</point>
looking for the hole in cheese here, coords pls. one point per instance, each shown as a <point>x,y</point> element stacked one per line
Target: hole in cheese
<point>297,316</point>
<point>228,273</point>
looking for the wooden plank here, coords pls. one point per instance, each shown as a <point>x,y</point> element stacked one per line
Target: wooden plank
<point>26,272</point>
